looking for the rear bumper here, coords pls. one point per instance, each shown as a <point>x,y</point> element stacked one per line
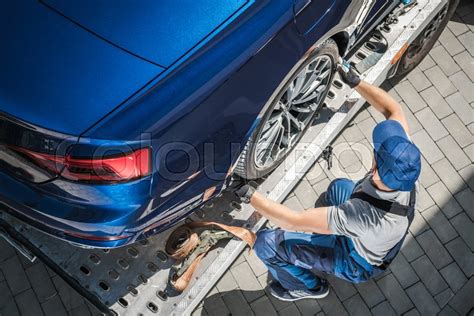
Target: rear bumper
<point>90,216</point>
<point>60,234</point>
<point>97,216</point>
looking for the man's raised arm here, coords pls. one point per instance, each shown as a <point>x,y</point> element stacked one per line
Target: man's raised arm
<point>378,98</point>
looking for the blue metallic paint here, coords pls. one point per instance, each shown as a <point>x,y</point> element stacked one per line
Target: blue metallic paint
<point>158,31</point>
<point>213,95</point>
<point>310,18</point>
<point>55,75</point>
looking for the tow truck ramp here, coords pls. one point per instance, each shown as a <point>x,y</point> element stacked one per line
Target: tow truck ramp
<point>133,280</point>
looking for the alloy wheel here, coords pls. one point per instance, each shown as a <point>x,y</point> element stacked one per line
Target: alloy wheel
<point>293,111</point>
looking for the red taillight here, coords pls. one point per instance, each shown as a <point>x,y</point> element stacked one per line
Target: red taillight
<point>126,167</point>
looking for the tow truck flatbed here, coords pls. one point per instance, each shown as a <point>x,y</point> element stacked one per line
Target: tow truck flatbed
<point>133,280</point>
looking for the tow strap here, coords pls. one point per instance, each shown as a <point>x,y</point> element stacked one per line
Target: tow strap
<point>189,243</point>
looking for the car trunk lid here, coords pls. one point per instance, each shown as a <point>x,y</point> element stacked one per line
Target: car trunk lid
<point>58,76</point>
<point>158,31</point>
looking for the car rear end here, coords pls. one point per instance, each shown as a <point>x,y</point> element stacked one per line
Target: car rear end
<point>79,98</point>
<point>86,192</point>
<point>58,80</point>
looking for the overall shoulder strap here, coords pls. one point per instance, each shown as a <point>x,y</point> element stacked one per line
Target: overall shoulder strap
<point>411,207</point>
<point>410,215</point>
<point>394,208</point>
<point>387,206</point>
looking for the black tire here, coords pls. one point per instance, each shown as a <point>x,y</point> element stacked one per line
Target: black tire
<point>246,166</point>
<point>418,50</point>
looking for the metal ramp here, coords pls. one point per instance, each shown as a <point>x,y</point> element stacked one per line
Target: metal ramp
<point>133,280</point>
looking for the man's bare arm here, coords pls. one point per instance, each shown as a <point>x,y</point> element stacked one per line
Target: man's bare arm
<point>312,220</point>
<point>383,102</point>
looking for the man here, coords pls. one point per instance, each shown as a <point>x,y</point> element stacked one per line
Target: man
<point>360,232</point>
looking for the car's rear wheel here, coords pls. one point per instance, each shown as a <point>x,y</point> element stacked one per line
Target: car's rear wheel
<point>290,113</point>
<point>422,45</point>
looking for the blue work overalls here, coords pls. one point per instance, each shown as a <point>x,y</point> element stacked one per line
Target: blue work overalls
<point>290,256</point>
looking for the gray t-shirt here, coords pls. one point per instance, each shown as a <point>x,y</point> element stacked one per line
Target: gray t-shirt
<point>373,231</point>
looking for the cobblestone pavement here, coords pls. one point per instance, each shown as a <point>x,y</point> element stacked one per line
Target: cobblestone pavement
<point>432,274</point>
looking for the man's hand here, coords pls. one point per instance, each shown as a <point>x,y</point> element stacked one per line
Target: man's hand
<point>245,193</point>
<point>348,74</point>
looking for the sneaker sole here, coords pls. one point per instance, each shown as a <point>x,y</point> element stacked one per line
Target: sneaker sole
<point>301,298</point>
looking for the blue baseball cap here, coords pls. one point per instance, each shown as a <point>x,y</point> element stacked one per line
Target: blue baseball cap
<point>398,159</point>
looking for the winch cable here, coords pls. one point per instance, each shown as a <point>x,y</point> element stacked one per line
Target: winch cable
<point>188,244</point>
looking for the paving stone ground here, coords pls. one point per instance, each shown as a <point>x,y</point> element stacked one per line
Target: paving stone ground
<point>434,272</point>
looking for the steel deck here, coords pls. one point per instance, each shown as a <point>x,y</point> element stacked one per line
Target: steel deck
<point>133,280</point>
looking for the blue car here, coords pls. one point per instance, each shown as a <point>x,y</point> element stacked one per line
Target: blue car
<point>117,119</point>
